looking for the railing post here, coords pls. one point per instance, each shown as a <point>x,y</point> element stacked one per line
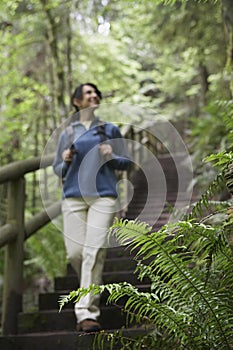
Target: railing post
<point>13,267</point>
<point>124,179</point>
<point>137,150</point>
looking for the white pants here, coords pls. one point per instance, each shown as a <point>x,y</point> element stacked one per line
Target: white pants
<point>86,223</point>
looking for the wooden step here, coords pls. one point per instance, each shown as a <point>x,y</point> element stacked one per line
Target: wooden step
<point>112,264</point>
<point>117,252</point>
<point>49,301</point>
<point>111,317</point>
<point>71,282</point>
<point>63,340</point>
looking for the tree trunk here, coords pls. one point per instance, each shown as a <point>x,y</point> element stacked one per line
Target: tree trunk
<point>227,14</point>
<point>57,72</point>
<point>34,177</point>
<point>68,56</point>
<point>204,82</point>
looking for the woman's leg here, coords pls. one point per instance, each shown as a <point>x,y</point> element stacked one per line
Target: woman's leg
<point>74,229</point>
<point>99,218</point>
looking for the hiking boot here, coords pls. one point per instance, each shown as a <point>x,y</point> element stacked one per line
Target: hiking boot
<point>88,325</point>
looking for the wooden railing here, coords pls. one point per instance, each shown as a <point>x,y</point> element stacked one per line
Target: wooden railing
<point>14,233</point>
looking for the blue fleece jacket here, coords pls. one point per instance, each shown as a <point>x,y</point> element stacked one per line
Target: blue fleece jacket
<point>89,174</point>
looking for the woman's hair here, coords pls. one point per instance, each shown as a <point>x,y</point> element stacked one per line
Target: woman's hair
<point>78,93</point>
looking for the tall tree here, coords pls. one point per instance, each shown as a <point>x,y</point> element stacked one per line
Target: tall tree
<point>227,14</point>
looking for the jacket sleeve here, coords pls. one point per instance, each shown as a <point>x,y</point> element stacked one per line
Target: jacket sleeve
<point>120,159</point>
<point>59,166</point>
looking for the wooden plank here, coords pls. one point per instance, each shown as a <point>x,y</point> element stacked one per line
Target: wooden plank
<point>13,267</point>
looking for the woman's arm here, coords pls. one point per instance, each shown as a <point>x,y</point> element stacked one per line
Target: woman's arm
<point>117,157</point>
<point>62,158</point>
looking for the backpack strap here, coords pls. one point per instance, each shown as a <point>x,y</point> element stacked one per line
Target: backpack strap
<point>101,131</point>
<point>70,133</point>
<point>99,127</point>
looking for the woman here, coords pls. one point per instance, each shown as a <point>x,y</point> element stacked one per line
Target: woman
<point>89,151</point>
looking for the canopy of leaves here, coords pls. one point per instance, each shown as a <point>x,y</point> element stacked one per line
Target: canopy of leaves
<point>142,52</point>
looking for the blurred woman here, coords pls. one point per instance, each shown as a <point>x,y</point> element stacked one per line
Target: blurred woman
<point>88,154</point>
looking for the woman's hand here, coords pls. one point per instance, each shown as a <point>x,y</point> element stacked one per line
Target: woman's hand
<point>106,151</point>
<point>67,155</point>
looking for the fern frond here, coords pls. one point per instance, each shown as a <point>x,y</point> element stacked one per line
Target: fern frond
<point>190,267</point>
<point>76,295</point>
<point>171,263</point>
<point>203,203</point>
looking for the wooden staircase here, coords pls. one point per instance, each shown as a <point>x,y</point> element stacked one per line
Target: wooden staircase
<point>47,329</point>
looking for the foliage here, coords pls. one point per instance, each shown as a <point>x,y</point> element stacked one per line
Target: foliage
<point>215,187</point>
<point>149,61</point>
<point>45,253</point>
<point>177,70</point>
<point>214,132</point>
<point>212,138</point>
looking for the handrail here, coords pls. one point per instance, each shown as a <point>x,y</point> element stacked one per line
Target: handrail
<point>19,168</point>
<point>16,231</point>
<point>9,232</point>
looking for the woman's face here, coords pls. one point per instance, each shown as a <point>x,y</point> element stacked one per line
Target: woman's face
<point>90,99</point>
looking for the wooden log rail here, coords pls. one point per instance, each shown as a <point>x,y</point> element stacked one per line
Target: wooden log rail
<point>16,230</point>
